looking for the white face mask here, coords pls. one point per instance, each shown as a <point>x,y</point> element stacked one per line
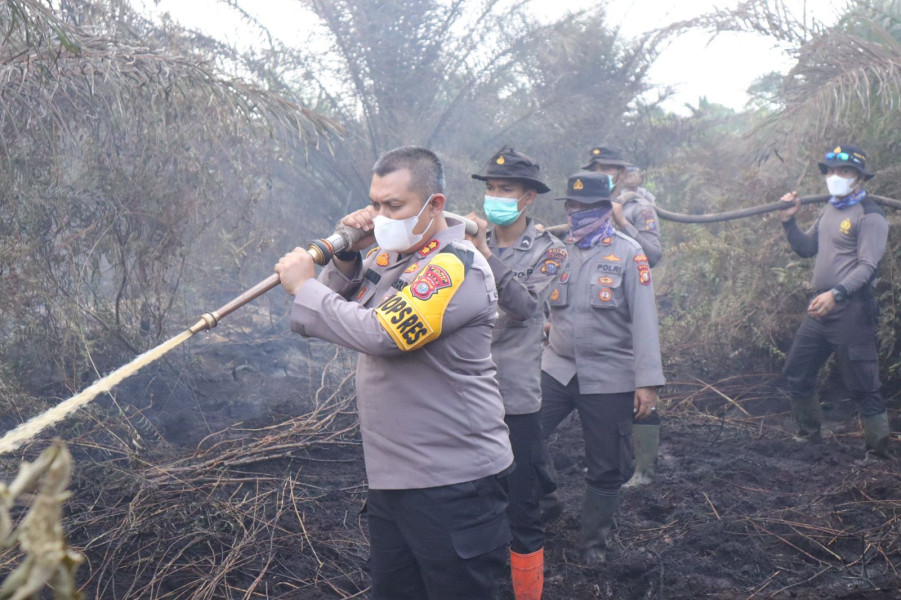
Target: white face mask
<point>840,186</point>
<point>396,235</point>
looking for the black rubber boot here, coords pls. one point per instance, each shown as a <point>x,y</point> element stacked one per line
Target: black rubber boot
<point>646,439</point>
<point>598,509</point>
<point>808,418</point>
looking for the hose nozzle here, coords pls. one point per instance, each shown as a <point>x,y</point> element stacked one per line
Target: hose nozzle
<point>207,321</point>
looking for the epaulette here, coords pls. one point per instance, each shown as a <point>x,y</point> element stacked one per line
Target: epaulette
<point>466,256</point>
<point>869,207</point>
<point>631,241</point>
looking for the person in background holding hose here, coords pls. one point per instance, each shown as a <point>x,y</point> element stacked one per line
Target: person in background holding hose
<point>525,262</point>
<point>419,309</point>
<point>848,239</point>
<point>603,352</point>
<point>634,215</point>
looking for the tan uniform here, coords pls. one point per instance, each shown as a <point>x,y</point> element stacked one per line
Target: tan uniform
<point>524,273</point>
<point>430,411</point>
<point>604,320</point>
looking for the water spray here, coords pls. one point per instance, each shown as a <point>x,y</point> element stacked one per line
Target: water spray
<point>321,250</point>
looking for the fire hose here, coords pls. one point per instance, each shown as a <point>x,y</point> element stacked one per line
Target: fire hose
<point>322,251</point>
<point>739,213</point>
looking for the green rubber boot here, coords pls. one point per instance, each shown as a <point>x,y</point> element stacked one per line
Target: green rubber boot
<point>876,435</point>
<point>808,418</point>
<point>646,439</point>
<point>598,509</point>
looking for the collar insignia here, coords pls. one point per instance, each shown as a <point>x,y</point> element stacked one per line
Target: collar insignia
<point>428,248</point>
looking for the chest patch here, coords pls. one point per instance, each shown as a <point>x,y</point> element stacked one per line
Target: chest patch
<point>845,226</point>
<point>607,268</point>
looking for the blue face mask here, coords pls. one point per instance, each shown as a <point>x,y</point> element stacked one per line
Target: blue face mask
<point>502,211</point>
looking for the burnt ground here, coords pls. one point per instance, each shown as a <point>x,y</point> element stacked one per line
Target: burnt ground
<point>241,476</point>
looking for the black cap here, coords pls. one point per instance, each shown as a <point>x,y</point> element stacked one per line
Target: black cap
<point>588,187</point>
<point>846,156</point>
<point>604,155</point>
<point>507,163</point>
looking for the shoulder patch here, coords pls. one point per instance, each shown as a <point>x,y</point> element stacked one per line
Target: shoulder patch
<point>650,219</point>
<point>553,262</point>
<point>413,316</point>
<point>644,270</point>
<point>371,252</point>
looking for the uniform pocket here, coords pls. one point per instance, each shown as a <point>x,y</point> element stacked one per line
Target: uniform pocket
<point>482,539</point>
<point>607,296</point>
<point>559,294</point>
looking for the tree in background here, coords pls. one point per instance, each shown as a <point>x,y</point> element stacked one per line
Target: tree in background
<point>738,289</point>
<point>125,170</point>
<point>464,79</point>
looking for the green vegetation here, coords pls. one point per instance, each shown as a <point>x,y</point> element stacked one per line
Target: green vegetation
<point>149,172</point>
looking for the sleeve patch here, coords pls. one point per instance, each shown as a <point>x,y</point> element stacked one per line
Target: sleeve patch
<point>413,316</point>
<point>432,279</point>
<point>556,254</point>
<point>554,260</point>
<point>644,271</point>
<point>650,219</point>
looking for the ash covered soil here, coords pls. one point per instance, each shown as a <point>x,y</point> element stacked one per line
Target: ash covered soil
<point>245,480</point>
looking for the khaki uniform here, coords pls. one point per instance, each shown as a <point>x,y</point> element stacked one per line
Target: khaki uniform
<point>524,273</point>
<point>604,320</point>
<point>430,411</point>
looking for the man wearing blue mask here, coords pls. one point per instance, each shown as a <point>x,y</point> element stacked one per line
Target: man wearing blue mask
<point>634,215</point>
<point>603,352</point>
<point>848,239</point>
<point>525,262</point>
<point>419,309</point>
<point>633,205</point>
